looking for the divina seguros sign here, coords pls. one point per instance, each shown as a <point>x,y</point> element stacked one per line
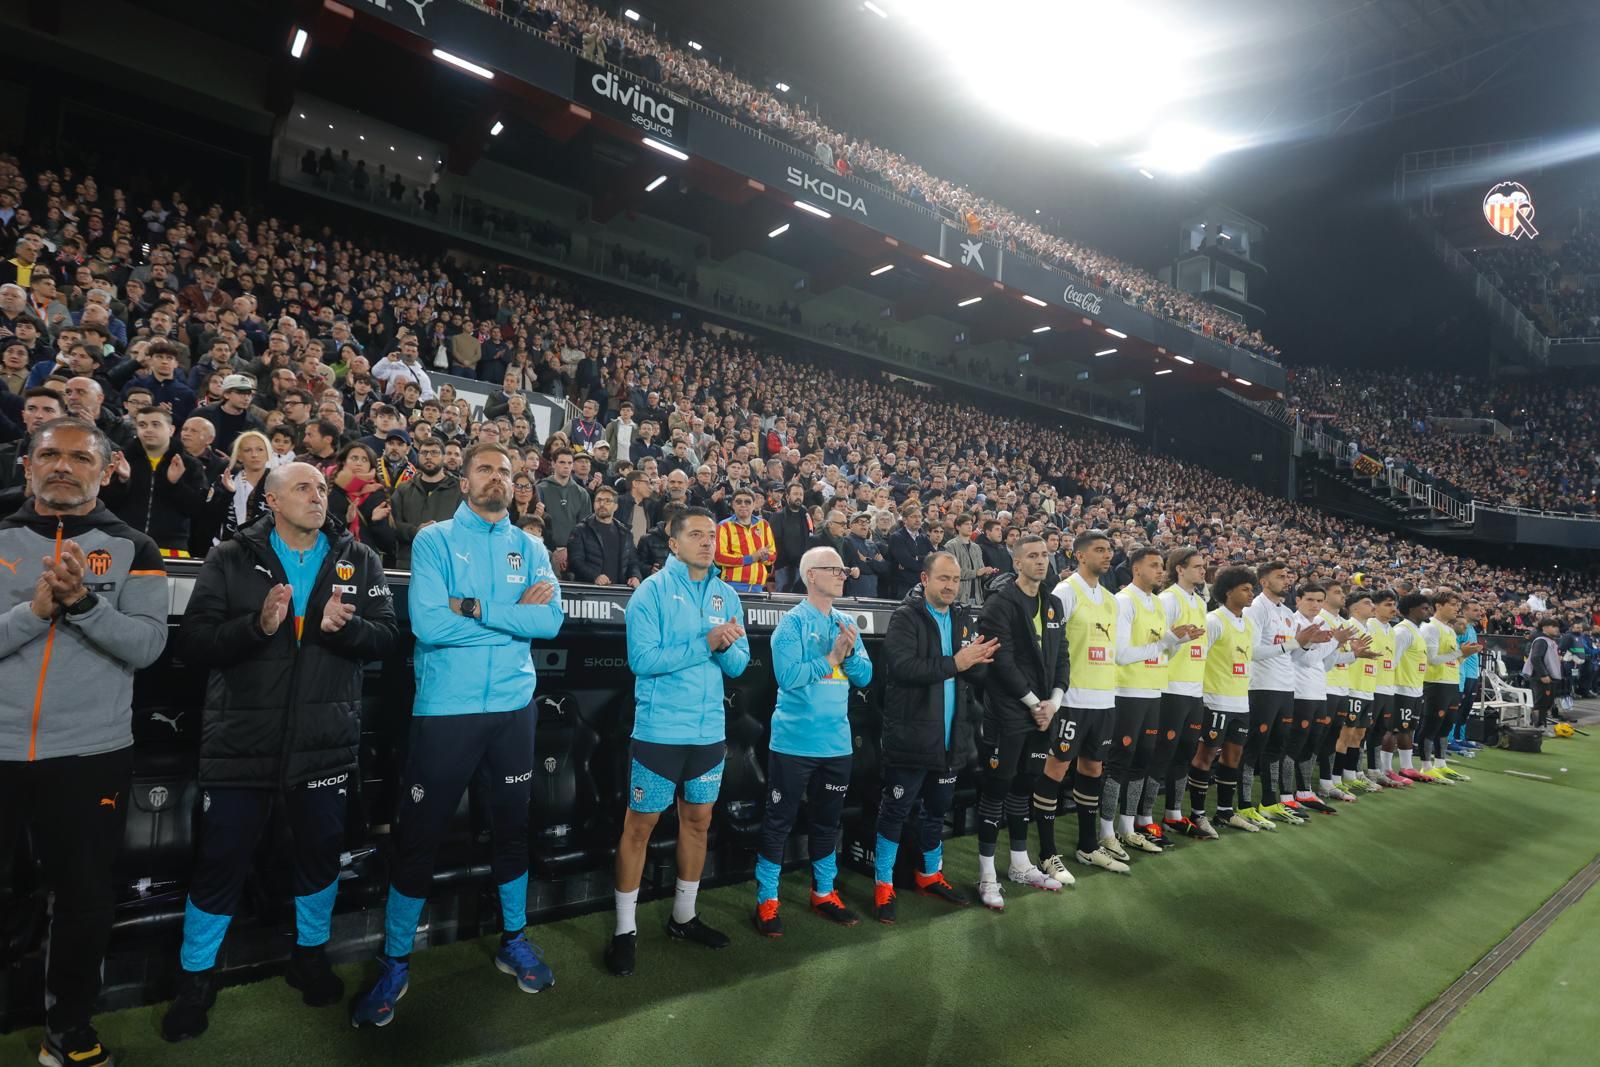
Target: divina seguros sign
<point>653,111</point>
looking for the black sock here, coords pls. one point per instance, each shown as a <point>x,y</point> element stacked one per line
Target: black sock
<point>506,936</point>
<point>1086,791</point>
<point>1199,783</point>
<point>1227,785</point>
<point>1044,815</point>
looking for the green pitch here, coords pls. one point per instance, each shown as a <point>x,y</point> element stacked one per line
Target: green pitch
<point>1310,946</point>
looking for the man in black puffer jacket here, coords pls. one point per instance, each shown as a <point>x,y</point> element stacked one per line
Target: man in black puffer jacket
<point>929,720</point>
<point>285,615</point>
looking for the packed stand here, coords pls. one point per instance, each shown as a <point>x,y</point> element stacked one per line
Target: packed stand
<point>232,324</point>
<point>1550,462</point>
<point>600,37</point>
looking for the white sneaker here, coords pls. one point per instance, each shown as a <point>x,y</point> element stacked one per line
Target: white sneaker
<point>1102,859</point>
<point>1112,847</point>
<point>990,896</point>
<point>1032,875</point>
<point>1239,822</point>
<point>1140,842</point>
<point>1056,867</point>
<point>1376,777</point>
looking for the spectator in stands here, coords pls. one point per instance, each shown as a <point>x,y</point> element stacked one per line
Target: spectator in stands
<point>745,545</point>
<point>429,497</point>
<point>158,493</point>
<point>908,547</point>
<point>359,503</point>
<point>791,532</point>
<point>238,496</point>
<point>232,416</point>
<point>320,444</point>
<point>869,552</point>
<point>394,466</point>
<point>969,559</point>
<point>66,706</point>
<point>566,503</point>
<point>39,406</point>
<point>167,389</point>
<point>288,648</point>
<point>600,550</point>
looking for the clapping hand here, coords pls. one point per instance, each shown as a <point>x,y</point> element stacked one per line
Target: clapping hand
<point>979,651</point>
<point>843,645</point>
<point>275,608</point>
<point>336,613</point>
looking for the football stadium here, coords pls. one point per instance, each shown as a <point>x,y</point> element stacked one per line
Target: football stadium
<point>847,532</point>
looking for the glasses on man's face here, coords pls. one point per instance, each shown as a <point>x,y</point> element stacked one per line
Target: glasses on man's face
<point>829,570</point>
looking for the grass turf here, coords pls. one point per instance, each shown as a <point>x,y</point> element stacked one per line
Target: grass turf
<point>1310,946</point>
<point>1541,1009</point>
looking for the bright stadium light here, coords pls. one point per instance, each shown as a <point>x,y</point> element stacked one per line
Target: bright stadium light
<point>1118,334</point>
<point>1147,173</point>
<point>464,64</point>
<point>1041,329</point>
<point>779,232</point>
<point>631,15</point>
<point>875,9</point>
<point>1181,149</point>
<point>1105,352</point>
<point>936,261</point>
<point>1243,381</point>
<point>969,301</point>
<point>658,183</point>
<point>782,87</point>
<point>298,47</point>
<point>697,46</point>
<point>494,131</point>
<point>1030,298</point>
<point>1159,373</point>
<point>885,269</point>
<point>813,209</point>
<point>1142,59</point>
<point>1184,360</point>
<point>665,149</point>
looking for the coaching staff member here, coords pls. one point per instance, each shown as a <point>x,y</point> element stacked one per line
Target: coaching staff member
<point>685,634</point>
<point>285,614</point>
<point>929,720</point>
<point>481,590</point>
<point>86,606</point>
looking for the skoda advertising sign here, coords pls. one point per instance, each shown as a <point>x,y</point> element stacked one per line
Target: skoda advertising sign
<point>648,108</point>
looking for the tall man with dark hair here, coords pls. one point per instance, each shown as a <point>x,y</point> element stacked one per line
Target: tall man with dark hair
<point>817,656</point>
<point>1182,706</point>
<point>157,491</point>
<point>1031,659</point>
<point>1380,732</point>
<point>685,635</point>
<point>1441,686</point>
<point>908,547</point>
<point>928,722</point>
<point>481,590</point>
<point>1543,667</point>
<point>282,722</point>
<point>1231,642</point>
<point>75,629</point>
<point>1410,664</point>
<point>1280,638</point>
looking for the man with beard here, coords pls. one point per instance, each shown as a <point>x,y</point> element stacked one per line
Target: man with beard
<point>282,722</point>
<point>77,628</point>
<point>432,496</point>
<point>481,590</point>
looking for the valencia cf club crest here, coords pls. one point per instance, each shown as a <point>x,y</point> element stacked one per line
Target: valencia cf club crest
<point>345,570</point>
<point>1508,208</point>
<point>899,791</point>
<point>98,562</point>
<point>1050,613</point>
<point>777,797</point>
<point>549,765</point>
<point>994,763</point>
<point>416,794</point>
<point>514,560</point>
<point>716,604</point>
<point>638,794</point>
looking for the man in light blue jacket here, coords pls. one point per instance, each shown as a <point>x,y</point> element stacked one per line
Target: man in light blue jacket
<point>817,657</point>
<point>481,590</point>
<point>685,634</point>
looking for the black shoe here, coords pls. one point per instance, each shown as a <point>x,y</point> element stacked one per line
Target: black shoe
<point>698,932</point>
<point>197,992</point>
<point>75,1048</point>
<point>768,922</point>
<point>312,974</point>
<point>832,908</point>
<point>621,953</point>
<point>936,885</point>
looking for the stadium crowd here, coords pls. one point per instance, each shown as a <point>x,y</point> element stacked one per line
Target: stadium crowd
<point>1550,461</point>
<point>600,37</point>
<point>232,323</point>
<point>1549,281</point>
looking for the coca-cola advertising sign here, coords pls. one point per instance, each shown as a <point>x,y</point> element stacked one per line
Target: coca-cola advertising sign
<point>1084,300</point>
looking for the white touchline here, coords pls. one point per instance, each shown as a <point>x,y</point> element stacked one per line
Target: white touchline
<point>1525,774</point>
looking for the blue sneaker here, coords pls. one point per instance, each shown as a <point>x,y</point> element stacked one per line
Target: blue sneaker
<point>525,961</point>
<point>376,1006</point>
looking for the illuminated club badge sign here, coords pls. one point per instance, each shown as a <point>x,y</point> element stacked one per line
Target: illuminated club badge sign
<point>1508,207</point>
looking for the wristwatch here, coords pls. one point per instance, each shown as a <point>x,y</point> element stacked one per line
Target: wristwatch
<point>469,607</point>
<point>82,605</point>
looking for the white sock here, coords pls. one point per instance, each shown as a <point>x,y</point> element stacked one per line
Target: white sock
<point>1326,783</point>
<point>1174,814</point>
<point>1349,775</point>
<point>1386,761</point>
<point>1020,860</point>
<point>683,900</point>
<point>1106,829</point>
<point>1142,820</point>
<point>1440,763</point>
<point>1124,824</point>
<point>1284,798</point>
<point>1306,795</point>
<point>626,904</point>
<point>1405,759</point>
<point>1427,765</point>
<point>986,869</point>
